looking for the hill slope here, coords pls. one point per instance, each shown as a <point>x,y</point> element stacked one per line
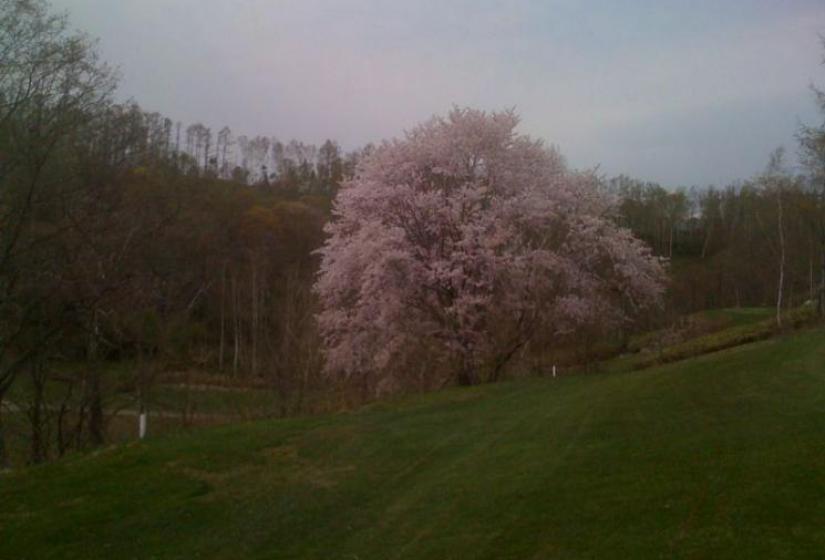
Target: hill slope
<point>721,456</point>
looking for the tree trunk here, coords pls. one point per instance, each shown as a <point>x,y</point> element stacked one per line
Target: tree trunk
<point>812,289</point>
<point>93,387</point>
<point>236,328</point>
<point>62,413</point>
<point>781,259</point>
<point>223,318</point>
<point>4,458</point>
<point>207,141</point>
<point>467,375</point>
<point>96,424</point>
<point>36,417</point>
<point>254,329</point>
<point>706,244</point>
<point>820,304</point>
<point>77,436</point>
<point>822,282</point>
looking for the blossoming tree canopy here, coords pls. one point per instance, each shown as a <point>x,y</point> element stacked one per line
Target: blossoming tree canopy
<point>453,247</point>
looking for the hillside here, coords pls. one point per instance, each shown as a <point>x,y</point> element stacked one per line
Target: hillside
<point>720,456</point>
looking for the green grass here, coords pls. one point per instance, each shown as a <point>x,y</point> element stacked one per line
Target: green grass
<point>745,326</point>
<point>720,456</point>
<point>705,322</point>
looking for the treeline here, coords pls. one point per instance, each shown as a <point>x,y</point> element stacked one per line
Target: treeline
<point>292,168</point>
<point>760,242</point>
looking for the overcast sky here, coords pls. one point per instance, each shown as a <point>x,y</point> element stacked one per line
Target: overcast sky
<point>684,93</point>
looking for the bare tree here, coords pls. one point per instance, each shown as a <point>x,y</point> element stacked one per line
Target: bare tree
<point>812,144</point>
<point>775,181</point>
<point>51,85</point>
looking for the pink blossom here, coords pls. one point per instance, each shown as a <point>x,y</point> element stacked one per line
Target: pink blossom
<point>465,239</point>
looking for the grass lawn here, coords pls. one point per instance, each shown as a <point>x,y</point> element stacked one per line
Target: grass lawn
<point>721,456</point>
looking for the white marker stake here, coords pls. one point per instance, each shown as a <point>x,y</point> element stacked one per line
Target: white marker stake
<point>554,370</point>
<point>142,428</point>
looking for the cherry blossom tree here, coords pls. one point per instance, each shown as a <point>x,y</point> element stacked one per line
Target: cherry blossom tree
<point>455,245</point>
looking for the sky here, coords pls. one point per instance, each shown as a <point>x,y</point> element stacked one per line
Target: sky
<point>680,92</point>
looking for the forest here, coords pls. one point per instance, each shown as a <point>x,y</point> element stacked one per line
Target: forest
<point>136,249</point>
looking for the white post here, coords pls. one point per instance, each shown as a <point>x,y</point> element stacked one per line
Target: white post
<point>142,424</point>
<point>554,370</point>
